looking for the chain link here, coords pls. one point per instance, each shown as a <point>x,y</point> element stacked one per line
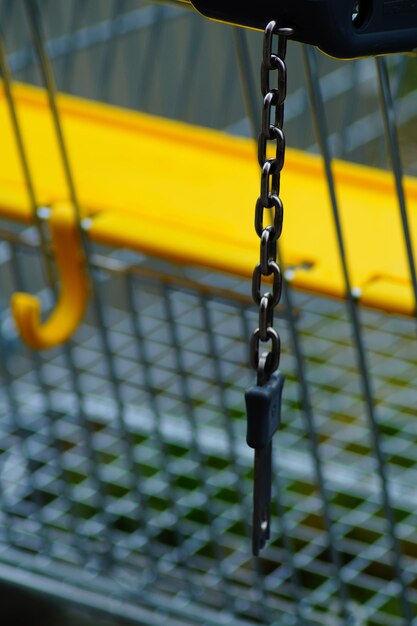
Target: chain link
<point>273,63</point>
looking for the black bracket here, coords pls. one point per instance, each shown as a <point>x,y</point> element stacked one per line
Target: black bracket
<point>341,28</point>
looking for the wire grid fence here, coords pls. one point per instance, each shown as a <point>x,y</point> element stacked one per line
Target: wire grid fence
<point>125,479</point>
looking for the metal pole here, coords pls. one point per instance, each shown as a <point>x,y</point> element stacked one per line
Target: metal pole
<point>393,150</point>
<point>319,116</point>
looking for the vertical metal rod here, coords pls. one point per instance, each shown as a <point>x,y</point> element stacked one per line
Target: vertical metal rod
<point>146,362</point>
<point>246,77</point>
<point>195,446</point>
<point>92,460</point>
<point>311,428</point>
<point>34,19</point>
<point>316,100</point>
<point>123,431</point>
<point>219,379</point>
<point>124,434</point>
<point>7,83</point>
<point>400,76</point>
<point>30,470</point>
<point>213,354</point>
<point>391,138</point>
<point>53,433</point>
<point>16,418</point>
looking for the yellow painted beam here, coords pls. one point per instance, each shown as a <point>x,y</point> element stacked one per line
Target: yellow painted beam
<point>187,194</point>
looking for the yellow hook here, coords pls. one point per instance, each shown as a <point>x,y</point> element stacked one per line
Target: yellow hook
<point>74,288</point>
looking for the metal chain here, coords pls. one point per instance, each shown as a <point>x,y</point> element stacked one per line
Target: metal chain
<point>266,362</point>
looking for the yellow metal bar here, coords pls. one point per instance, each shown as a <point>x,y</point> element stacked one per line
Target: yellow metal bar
<point>187,194</point>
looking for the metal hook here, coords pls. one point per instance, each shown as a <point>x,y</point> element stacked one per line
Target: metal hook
<point>74,288</point>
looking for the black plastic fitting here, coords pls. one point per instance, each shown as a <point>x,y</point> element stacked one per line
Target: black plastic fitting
<point>341,28</point>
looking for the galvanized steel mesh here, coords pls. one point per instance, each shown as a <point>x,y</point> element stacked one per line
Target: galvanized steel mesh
<point>125,479</point>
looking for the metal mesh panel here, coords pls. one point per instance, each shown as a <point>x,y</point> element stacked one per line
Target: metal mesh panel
<point>124,456</point>
<point>125,479</point>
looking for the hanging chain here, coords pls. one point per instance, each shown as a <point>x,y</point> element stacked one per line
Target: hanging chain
<point>266,362</point>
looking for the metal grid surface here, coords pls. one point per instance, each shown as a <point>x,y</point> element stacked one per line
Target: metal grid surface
<point>124,467</point>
